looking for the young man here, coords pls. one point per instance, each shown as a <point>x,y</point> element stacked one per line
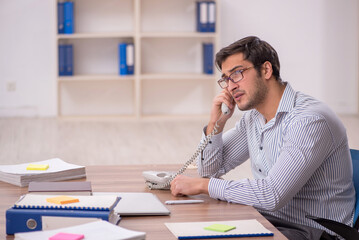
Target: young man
<point>298,147</point>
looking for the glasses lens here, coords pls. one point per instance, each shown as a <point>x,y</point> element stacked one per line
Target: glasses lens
<point>222,83</point>
<point>236,76</point>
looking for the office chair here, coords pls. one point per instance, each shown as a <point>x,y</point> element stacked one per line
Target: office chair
<point>349,233</point>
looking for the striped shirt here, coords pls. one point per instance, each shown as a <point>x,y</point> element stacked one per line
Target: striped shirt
<point>300,161</point>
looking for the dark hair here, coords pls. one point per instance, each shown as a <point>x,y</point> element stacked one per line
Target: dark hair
<point>254,50</point>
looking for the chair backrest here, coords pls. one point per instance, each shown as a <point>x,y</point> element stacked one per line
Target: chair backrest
<point>355,158</point>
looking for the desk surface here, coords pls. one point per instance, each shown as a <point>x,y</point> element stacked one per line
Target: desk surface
<point>129,179</point>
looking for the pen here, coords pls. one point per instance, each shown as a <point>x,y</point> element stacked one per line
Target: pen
<point>183,201</point>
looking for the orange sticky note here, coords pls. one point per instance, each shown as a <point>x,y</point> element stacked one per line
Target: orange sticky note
<point>32,166</point>
<point>62,200</point>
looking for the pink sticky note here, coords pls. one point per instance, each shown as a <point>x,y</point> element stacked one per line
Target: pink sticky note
<point>67,236</point>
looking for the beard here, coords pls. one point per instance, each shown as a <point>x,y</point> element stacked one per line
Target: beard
<point>257,97</point>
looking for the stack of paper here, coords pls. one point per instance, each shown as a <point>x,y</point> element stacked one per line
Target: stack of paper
<point>91,231</point>
<point>57,170</point>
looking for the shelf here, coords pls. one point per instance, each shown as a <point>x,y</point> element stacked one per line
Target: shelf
<point>177,35</point>
<point>177,76</point>
<point>94,78</point>
<point>96,35</point>
<point>168,81</point>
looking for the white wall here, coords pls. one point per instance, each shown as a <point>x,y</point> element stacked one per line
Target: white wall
<point>27,58</point>
<point>317,42</point>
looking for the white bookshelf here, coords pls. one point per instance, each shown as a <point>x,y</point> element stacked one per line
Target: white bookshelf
<point>168,79</point>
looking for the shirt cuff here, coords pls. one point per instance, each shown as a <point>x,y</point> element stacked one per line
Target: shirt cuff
<point>216,140</point>
<point>216,188</point>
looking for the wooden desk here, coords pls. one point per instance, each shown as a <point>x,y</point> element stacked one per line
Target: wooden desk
<point>129,179</point>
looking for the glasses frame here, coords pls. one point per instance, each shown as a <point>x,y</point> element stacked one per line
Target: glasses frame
<point>223,82</point>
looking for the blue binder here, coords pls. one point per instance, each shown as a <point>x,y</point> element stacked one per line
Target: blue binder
<point>130,59</point>
<point>202,16</point>
<point>26,220</point>
<point>207,51</point>
<point>122,58</point>
<point>62,58</point>
<point>211,24</point>
<point>69,17</point>
<point>60,17</point>
<point>69,66</point>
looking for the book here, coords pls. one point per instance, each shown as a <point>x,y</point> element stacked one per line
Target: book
<point>195,230</point>
<point>60,17</point>
<point>58,170</point>
<point>93,231</point>
<point>208,58</point>
<point>60,188</point>
<point>99,203</point>
<point>138,204</point>
<point>68,17</point>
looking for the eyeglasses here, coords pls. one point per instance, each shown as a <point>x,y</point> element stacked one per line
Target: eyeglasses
<point>235,77</point>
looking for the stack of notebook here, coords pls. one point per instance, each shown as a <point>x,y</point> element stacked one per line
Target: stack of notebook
<point>28,212</point>
<point>55,170</point>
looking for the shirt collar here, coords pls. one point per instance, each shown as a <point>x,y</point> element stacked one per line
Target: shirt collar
<point>287,101</point>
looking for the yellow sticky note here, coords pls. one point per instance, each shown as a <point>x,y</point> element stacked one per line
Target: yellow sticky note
<point>37,167</point>
<point>219,227</point>
<point>62,200</point>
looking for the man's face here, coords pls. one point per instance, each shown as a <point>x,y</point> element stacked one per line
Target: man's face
<point>249,92</point>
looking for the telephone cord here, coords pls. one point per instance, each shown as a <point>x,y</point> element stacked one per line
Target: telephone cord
<point>200,148</point>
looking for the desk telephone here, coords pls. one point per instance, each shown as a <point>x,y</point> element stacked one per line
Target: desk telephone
<point>161,179</point>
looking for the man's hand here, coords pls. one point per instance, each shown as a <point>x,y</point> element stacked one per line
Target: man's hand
<point>183,185</point>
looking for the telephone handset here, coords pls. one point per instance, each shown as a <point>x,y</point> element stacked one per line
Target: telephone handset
<point>162,179</point>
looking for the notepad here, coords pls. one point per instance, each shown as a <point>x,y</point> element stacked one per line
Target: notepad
<point>67,236</point>
<point>62,200</point>
<point>195,230</point>
<point>41,167</point>
<point>100,203</point>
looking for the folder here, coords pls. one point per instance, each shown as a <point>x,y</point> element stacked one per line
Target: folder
<point>26,220</point>
<point>60,17</point>
<point>208,58</point>
<point>68,17</point>
<point>202,16</point>
<point>211,27</point>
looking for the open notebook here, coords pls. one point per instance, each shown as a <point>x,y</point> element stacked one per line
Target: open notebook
<point>195,230</point>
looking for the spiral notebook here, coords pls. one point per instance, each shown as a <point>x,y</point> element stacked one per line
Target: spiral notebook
<point>98,203</point>
<point>196,230</point>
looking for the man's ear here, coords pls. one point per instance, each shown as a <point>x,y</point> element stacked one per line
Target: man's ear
<point>267,70</point>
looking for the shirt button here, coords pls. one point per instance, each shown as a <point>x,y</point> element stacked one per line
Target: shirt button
<point>260,170</point>
<point>210,141</point>
<point>260,148</point>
